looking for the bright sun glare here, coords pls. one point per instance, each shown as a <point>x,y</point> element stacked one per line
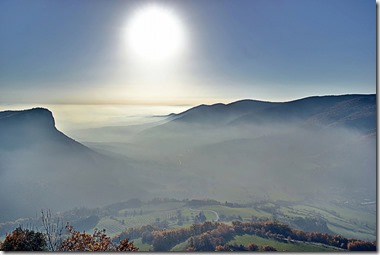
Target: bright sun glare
<point>155,34</point>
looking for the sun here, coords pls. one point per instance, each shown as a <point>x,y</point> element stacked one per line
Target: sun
<point>155,33</point>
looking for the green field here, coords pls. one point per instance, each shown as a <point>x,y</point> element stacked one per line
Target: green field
<point>340,220</point>
<point>280,246</point>
<point>243,212</point>
<point>151,212</point>
<point>180,247</point>
<point>344,221</point>
<point>142,246</point>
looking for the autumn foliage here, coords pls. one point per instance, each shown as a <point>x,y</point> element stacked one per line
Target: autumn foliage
<point>361,246</point>
<point>98,241</point>
<point>24,240</point>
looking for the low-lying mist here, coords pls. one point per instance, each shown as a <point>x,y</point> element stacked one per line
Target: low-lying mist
<point>292,160</point>
<point>243,162</point>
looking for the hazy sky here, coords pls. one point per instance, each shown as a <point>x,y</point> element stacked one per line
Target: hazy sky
<point>75,51</point>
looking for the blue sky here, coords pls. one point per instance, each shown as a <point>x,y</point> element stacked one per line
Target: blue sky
<point>74,51</point>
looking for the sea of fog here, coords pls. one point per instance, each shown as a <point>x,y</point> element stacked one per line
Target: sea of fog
<point>70,117</point>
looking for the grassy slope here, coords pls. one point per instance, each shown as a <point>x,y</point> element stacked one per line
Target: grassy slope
<point>142,246</point>
<point>243,212</point>
<point>290,247</point>
<point>180,247</point>
<point>340,222</point>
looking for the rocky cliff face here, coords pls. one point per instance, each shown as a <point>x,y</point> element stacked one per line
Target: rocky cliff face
<point>40,167</point>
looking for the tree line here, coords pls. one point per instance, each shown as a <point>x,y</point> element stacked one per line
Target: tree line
<point>214,236</point>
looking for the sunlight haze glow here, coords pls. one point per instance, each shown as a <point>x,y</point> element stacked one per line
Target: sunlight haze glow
<point>184,52</point>
<point>155,34</point>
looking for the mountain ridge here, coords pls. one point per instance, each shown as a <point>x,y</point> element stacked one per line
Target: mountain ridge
<point>327,110</point>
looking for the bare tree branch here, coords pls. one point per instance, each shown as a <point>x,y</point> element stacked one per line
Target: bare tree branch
<point>53,227</point>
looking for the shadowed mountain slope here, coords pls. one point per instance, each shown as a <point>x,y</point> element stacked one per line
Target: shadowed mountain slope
<point>356,111</point>
<point>41,167</point>
<point>35,128</point>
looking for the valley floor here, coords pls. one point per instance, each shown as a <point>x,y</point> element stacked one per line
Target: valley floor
<point>358,223</point>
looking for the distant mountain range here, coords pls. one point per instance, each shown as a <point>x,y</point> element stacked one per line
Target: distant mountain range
<point>253,149</point>
<point>356,111</point>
